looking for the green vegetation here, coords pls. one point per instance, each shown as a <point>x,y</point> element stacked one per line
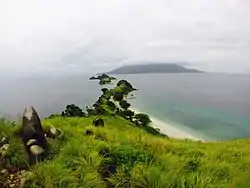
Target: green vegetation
<point>103,79</point>
<point>112,102</point>
<point>142,119</point>
<point>124,104</point>
<point>125,152</point>
<point>153,67</point>
<point>122,155</point>
<point>73,111</point>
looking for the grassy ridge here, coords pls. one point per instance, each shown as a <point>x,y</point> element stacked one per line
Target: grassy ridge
<point>122,155</point>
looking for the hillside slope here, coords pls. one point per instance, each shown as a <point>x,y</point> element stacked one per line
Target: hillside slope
<point>122,155</point>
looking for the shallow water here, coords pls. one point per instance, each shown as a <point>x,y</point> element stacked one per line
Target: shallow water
<point>217,105</point>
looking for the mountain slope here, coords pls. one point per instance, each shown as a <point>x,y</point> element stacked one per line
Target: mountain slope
<point>153,68</point>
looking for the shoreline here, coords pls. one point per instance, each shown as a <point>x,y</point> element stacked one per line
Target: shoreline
<point>169,129</point>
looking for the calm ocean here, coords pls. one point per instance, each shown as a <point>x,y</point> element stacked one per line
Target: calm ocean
<point>215,105</point>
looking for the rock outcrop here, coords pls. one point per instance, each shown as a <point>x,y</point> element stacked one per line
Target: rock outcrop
<point>33,134</point>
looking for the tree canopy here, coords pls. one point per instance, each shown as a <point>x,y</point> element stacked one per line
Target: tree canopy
<point>124,104</point>
<point>142,119</point>
<point>112,101</point>
<point>73,111</point>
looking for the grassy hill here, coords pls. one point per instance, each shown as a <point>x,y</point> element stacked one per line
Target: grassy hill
<point>123,155</point>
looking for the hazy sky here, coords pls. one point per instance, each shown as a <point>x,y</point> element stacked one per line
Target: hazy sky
<point>98,35</point>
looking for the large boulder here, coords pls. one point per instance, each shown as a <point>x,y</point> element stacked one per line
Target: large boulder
<point>98,122</point>
<point>36,150</point>
<point>32,134</point>
<point>32,128</point>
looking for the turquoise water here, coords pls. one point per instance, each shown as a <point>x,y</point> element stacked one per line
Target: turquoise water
<point>217,106</point>
<point>214,105</point>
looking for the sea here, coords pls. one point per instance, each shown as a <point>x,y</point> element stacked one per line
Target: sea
<point>213,106</point>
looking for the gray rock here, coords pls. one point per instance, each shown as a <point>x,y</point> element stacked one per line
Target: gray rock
<point>4,172</point>
<point>36,150</point>
<point>31,142</point>
<point>3,141</point>
<point>11,176</point>
<point>53,132</point>
<point>4,150</point>
<point>32,128</point>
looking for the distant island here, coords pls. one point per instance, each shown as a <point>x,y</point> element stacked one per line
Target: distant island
<point>153,68</point>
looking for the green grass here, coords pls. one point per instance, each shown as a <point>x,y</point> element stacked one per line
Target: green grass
<point>122,155</point>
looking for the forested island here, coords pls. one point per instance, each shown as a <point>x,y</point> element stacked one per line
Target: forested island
<point>153,68</point>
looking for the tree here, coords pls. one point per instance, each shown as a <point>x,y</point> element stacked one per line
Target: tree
<point>124,104</point>
<point>106,93</point>
<point>104,90</point>
<point>73,111</point>
<point>126,86</point>
<point>126,114</point>
<point>111,105</point>
<point>104,81</point>
<point>105,106</point>
<point>142,119</point>
<point>93,78</point>
<point>100,110</point>
<point>91,112</point>
<point>118,96</point>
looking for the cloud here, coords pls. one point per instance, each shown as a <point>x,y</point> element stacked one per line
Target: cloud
<point>93,36</point>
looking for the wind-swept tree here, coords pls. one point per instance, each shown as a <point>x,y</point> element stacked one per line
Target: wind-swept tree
<point>118,96</point>
<point>124,104</point>
<point>106,93</point>
<point>73,111</point>
<point>126,114</point>
<point>125,86</point>
<point>142,119</point>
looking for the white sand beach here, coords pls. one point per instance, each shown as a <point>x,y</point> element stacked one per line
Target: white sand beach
<point>170,130</point>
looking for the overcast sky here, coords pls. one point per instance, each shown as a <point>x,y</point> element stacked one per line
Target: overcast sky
<point>97,35</point>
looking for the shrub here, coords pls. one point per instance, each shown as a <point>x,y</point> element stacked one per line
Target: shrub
<point>124,104</point>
